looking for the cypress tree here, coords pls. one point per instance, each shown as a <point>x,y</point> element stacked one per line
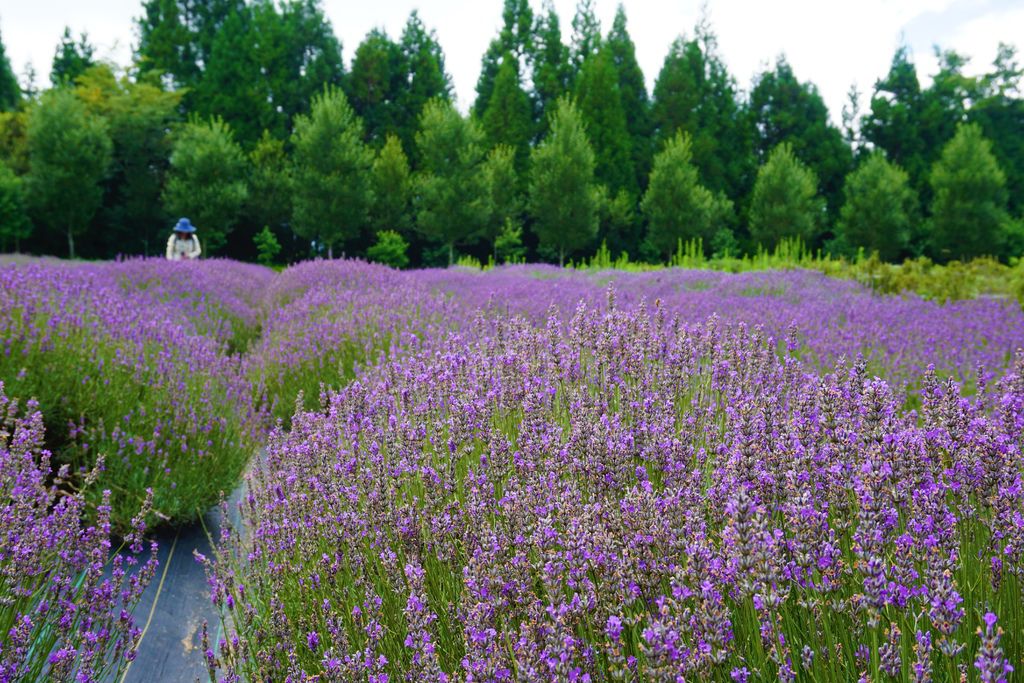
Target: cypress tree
<point>551,70</point>
<point>633,94</point>
<point>10,92</point>
<point>880,209</point>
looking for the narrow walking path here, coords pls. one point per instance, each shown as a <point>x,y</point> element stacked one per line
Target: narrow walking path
<point>177,602</point>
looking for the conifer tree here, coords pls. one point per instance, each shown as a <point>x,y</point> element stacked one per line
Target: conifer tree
<point>332,193</point>
<point>508,119</point>
<point>785,202</point>
<point>206,181</point>
<point>563,198</point>
<point>676,205</point>
<point>632,93</point>
<point>969,217</point>
<point>375,85</point>
<point>600,107</point>
<point>515,38</point>
<point>501,186</point>
<point>71,59</point>
<point>880,209</point>
<point>450,196</point>
<point>10,92</point>
<point>391,189</point>
<point>551,70</point>
<point>586,36</point>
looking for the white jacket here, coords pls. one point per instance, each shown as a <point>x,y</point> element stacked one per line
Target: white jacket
<point>179,250</point>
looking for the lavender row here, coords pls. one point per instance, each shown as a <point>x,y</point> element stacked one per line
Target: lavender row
<point>625,496</point>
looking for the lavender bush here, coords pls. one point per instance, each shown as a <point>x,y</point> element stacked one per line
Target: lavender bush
<point>623,496</point>
<point>61,617</point>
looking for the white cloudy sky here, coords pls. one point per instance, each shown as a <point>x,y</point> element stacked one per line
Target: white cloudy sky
<point>833,43</point>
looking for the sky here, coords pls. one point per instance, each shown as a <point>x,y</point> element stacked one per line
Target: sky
<point>831,43</point>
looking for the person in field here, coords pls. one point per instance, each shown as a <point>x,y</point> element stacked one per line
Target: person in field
<point>183,244</point>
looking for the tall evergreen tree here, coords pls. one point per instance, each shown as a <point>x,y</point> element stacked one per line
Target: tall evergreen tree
<point>508,119</point>
<point>426,76</point>
<point>880,211</point>
<point>676,205</point>
<point>550,63</point>
<point>586,36</point>
<point>70,154</point>
<point>516,38</point>
<point>176,36</point>
<point>206,181</point>
<point>450,195</point>
<point>266,65</point>
<point>1000,112</point>
<point>633,94</point>
<point>391,189</point>
<point>563,198</point>
<point>893,123</point>
<point>600,107</point>
<point>695,93</point>
<point>332,192</point>
<point>10,92</point>
<point>376,83</point>
<point>784,110</point>
<point>270,184</point>
<point>501,189</point>
<point>71,59</point>
<point>785,202</point>
<point>969,217</point>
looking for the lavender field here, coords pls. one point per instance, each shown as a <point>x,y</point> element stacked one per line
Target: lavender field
<point>526,474</point>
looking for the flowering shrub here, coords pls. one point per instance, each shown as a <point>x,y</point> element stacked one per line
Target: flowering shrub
<point>62,617</point>
<point>622,496</point>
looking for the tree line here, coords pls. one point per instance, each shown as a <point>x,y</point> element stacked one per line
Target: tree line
<point>243,116</point>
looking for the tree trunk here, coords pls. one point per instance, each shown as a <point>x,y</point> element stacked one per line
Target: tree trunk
<point>330,252</point>
<point>561,257</point>
<point>451,254</point>
<point>71,244</point>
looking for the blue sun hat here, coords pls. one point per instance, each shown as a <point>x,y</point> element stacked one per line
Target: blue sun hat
<point>184,225</point>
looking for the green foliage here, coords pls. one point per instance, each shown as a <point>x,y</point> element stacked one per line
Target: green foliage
<point>508,119</point>
<point>633,94</point>
<point>14,223</point>
<point>267,246</point>
<point>70,154</point>
<point>10,91</point>
<point>551,71</point>
<point>785,202</point>
<point>969,216</point>
<point>206,181</point>
<point>71,59</point>
<point>267,62</point>
<point>270,182</point>
<point>880,210</point>
<point>508,247</point>
<point>894,123</point>
<point>516,38</point>
<point>617,223</point>
<point>332,193</point>
<point>176,36</point>
<point>390,249</point>
<point>586,35</point>
<point>14,140</point>
<point>1000,112</point>
<point>676,205</point>
<point>376,83</point>
<point>425,79</point>
<point>450,197</point>
<point>784,110</point>
<point>502,190</point>
<point>695,93</point>
<point>563,199</point>
<point>600,107</point>
<point>392,187</point>
<point>138,115</point>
